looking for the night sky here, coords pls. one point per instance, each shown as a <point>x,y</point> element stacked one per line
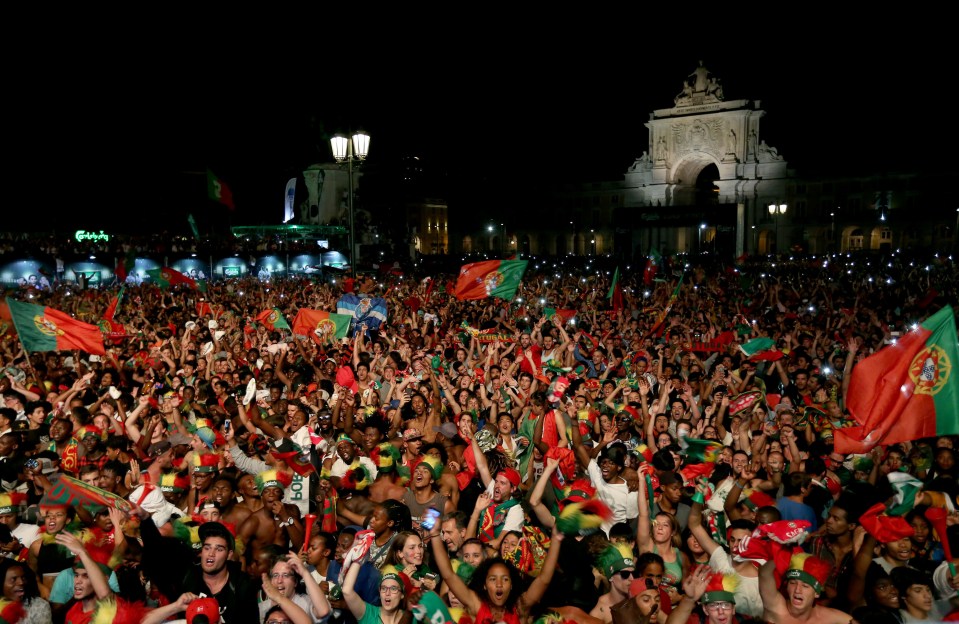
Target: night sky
<point>100,142</point>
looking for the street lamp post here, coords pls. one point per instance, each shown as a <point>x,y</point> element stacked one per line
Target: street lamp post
<point>349,150</point>
<point>776,210</point>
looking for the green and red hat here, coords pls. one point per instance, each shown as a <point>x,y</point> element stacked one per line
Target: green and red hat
<point>809,569</point>
<point>721,588</point>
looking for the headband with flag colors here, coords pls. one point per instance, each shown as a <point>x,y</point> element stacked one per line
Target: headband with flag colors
<point>10,501</point>
<point>392,573</point>
<point>721,588</point>
<point>434,465</point>
<point>809,569</point>
<point>614,558</point>
<point>90,430</point>
<point>207,462</point>
<point>46,329</point>
<point>906,391</point>
<point>174,482</point>
<point>272,478</point>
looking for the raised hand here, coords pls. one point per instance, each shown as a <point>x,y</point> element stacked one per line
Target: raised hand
<point>694,584</point>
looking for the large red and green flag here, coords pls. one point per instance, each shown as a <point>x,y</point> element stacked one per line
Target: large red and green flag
<point>272,319</point>
<point>166,277</point>
<point>615,294</point>
<point>321,326</point>
<point>218,191</point>
<point>46,329</point>
<point>114,304</point>
<point>125,264</point>
<point>906,391</point>
<point>652,265</point>
<point>492,278</point>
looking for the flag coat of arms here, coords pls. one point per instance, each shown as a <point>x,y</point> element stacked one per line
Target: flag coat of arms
<point>272,319</point>
<point>167,277</point>
<point>321,326</point>
<point>364,309</point>
<point>492,278</point>
<point>905,391</point>
<point>46,329</point>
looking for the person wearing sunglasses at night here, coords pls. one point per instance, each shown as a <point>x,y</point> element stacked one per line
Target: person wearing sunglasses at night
<point>617,564</point>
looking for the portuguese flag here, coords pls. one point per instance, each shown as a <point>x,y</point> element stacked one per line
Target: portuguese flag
<point>493,278</point>
<point>218,191</point>
<point>906,391</point>
<point>114,304</point>
<point>125,264</point>
<point>74,492</point>
<point>321,326</point>
<point>272,319</point>
<point>46,329</point>
<point>166,277</point>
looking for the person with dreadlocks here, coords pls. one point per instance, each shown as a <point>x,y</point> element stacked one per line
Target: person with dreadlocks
<point>277,522</point>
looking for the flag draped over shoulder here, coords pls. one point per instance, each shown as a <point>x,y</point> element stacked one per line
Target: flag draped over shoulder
<point>321,326</point>
<point>218,191</point>
<point>364,309</point>
<point>906,391</point>
<point>46,329</point>
<point>272,319</point>
<point>492,278</point>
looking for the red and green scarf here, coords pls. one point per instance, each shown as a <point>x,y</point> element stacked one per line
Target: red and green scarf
<point>492,521</point>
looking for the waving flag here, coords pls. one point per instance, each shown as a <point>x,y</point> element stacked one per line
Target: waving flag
<point>652,265</point>
<point>125,264</point>
<point>492,278</point>
<point>905,391</point>
<point>218,191</point>
<point>321,326</point>
<point>167,277</point>
<point>114,304</point>
<point>46,329</point>
<point>364,309</point>
<point>69,491</point>
<point>272,319</point>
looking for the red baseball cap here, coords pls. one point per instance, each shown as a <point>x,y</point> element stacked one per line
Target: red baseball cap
<point>203,606</point>
<point>511,475</point>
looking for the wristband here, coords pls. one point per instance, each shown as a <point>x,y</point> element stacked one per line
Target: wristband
<point>698,498</point>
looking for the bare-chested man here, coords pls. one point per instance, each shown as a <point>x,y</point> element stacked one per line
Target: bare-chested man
<point>277,522</point>
<point>224,494</point>
<point>804,581</point>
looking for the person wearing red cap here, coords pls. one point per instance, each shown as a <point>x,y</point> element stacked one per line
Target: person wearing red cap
<point>194,606</point>
<point>804,581</point>
<point>497,512</point>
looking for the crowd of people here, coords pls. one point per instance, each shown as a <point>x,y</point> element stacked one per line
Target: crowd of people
<point>573,454</point>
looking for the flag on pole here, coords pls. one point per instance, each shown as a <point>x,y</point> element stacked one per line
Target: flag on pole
<point>46,329</point>
<point>6,320</point>
<point>125,264</point>
<point>615,294</point>
<point>114,304</point>
<point>321,326</point>
<point>166,277</point>
<point>218,191</point>
<point>363,309</point>
<point>288,197</point>
<point>492,278</point>
<point>193,227</point>
<point>905,391</point>
<point>652,265</point>
<point>272,319</point>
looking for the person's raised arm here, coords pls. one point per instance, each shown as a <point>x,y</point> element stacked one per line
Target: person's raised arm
<point>774,605</point>
<point>318,600</point>
<point>695,521</point>
<point>482,502</point>
<point>294,611</point>
<point>644,538</point>
<point>694,586</point>
<point>536,496</point>
<point>860,567</point>
<point>455,584</point>
<point>99,582</point>
<point>482,467</point>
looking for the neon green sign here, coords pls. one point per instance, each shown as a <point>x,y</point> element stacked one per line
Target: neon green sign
<point>82,235</point>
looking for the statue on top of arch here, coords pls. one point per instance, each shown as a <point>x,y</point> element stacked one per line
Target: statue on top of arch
<point>700,87</point>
